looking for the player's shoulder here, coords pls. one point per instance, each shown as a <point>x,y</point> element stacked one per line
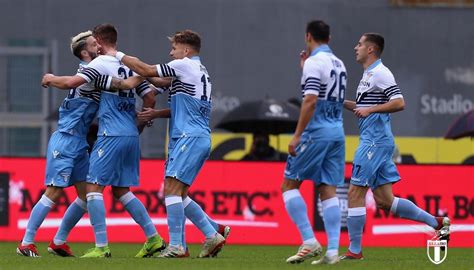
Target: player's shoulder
<point>382,72</point>
<point>102,60</point>
<point>314,62</point>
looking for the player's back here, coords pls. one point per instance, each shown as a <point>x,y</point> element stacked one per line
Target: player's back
<point>376,87</point>
<point>325,76</point>
<point>79,109</point>
<point>117,115</point>
<point>190,97</point>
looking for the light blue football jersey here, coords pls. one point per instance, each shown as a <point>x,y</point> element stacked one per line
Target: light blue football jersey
<point>324,75</point>
<point>117,114</point>
<point>377,86</point>
<point>79,109</point>
<point>190,97</point>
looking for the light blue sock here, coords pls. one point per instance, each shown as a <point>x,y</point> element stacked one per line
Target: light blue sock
<point>406,209</point>
<point>175,213</point>
<point>96,209</point>
<point>138,212</point>
<point>296,208</point>
<point>37,216</point>
<point>183,233</point>
<point>332,223</point>
<point>73,214</point>
<point>355,225</point>
<point>194,212</point>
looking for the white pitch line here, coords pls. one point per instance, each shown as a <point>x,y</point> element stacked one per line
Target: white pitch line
<point>400,229</point>
<point>85,222</point>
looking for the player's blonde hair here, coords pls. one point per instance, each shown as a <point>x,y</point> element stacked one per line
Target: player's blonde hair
<point>78,42</point>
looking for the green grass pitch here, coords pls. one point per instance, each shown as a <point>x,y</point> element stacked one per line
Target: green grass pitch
<point>232,257</point>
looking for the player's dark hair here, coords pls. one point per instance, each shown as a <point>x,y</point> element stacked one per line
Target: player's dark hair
<point>106,32</point>
<point>319,30</point>
<point>81,45</point>
<point>187,37</point>
<point>377,40</point>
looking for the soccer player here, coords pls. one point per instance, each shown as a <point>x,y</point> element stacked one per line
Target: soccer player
<point>67,160</point>
<point>189,133</point>
<point>317,147</point>
<point>378,95</point>
<point>115,157</point>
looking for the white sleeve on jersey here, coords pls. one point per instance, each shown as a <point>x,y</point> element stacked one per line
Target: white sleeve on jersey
<point>174,68</point>
<point>386,82</point>
<point>143,88</point>
<point>311,78</point>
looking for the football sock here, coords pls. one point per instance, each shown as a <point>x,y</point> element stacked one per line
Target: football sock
<point>37,216</point>
<point>406,209</point>
<point>183,234</point>
<point>332,224</point>
<point>96,209</point>
<point>73,214</point>
<point>175,215</point>
<point>355,225</point>
<point>194,212</point>
<point>296,208</point>
<point>138,212</point>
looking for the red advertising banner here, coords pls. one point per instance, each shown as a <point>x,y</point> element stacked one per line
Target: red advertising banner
<point>247,197</point>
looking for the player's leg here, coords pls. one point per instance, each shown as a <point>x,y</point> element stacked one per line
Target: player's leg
<point>331,175</point>
<point>37,216</point>
<point>137,211</point>
<point>299,168</point>
<point>366,162</point>
<point>175,216</point>
<point>404,208</point>
<point>77,208</point>
<point>356,218</point>
<point>332,222</point>
<point>194,212</point>
<point>59,163</point>
<point>73,214</point>
<point>96,209</point>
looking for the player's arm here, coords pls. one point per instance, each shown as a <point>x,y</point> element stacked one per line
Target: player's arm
<point>62,82</point>
<point>149,114</point>
<point>130,83</point>
<point>135,64</point>
<point>306,113</point>
<point>349,105</point>
<point>148,103</point>
<point>396,103</point>
<point>160,82</point>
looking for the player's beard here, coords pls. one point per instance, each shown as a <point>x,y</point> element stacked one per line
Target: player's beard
<point>92,55</point>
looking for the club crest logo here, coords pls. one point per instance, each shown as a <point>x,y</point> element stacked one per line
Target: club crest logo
<point>100,152</point>
<point>370,154</point>
<point>434,250</point>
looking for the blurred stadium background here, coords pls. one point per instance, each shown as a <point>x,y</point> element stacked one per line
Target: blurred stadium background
<point>250,48</point>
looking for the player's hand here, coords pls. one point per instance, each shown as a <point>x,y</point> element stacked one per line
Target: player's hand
<point>362,112</point>
<point>293,144</point>
<point>303,56</point>
<point>146,115</point>
<point>47,80</point>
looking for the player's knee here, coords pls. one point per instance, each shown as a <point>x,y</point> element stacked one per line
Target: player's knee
<point>289,185</point>
<point>383,204</point>
<point>53,193</point>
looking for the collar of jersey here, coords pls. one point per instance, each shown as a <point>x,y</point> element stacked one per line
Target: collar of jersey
<point>374,64</point>
<point>83,63</point>
<point>322,48</point>
<point>195,58</point>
